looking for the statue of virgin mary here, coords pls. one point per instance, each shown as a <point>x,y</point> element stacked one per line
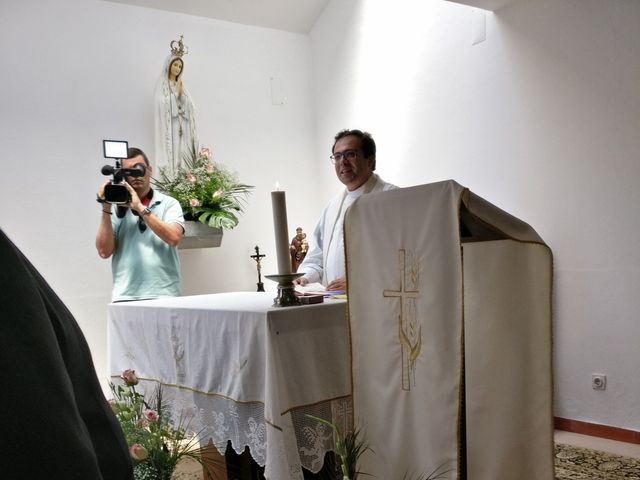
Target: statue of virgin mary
<point>175,118</point>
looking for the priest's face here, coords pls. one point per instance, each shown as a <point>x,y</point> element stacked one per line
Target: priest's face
<point>355,171</point>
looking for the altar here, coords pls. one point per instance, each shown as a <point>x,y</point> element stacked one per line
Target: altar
<point>442,361</point>
<point>243,370</point>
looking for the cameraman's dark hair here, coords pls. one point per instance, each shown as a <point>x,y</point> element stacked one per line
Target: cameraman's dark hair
<point>134,152</point>
<point>366,140</point>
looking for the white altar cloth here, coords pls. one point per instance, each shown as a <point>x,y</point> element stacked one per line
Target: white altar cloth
<point>247,372</point>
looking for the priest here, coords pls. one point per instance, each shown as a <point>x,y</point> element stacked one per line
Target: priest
<point>354,159</point>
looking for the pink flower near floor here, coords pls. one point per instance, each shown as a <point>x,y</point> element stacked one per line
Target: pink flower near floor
<point>138,452</point>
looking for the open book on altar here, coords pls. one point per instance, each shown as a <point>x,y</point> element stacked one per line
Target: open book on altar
<point>317,289</point>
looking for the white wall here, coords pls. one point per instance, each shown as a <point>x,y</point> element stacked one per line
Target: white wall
<point>77,71</point>
<point>541,119</point>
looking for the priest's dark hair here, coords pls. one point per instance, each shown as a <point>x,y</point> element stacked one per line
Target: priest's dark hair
<point>134,152</point>
<point>366,140</point>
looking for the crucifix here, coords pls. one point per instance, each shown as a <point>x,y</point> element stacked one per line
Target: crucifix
<point>257,257</point>
<point>410,340</point>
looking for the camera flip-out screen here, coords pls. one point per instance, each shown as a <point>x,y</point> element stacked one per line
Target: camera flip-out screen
<point>115,149</point>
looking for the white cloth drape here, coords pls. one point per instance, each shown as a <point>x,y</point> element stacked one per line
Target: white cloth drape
<point>422,318</point>
<point>507,299</point>
<point>243,371</point>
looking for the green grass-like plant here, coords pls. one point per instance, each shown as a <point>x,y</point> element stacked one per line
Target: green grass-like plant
<point>350,447</point>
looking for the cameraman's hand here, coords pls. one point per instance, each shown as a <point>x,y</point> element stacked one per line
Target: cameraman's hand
<point>135,203</point>
<point>105,241</point>
<point>101,189</point>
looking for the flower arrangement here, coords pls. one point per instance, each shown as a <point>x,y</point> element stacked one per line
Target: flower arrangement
<point>155,443</point>
<point>207,192</point>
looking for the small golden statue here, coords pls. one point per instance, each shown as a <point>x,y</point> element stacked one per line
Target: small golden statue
<point>298,249</point>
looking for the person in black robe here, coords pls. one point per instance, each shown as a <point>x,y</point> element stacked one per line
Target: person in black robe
<point>55,421</point>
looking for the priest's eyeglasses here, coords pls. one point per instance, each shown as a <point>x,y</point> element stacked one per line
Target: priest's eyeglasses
<point>342,156</point>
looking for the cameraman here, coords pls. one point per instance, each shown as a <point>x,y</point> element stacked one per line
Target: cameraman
<point>142,235</point>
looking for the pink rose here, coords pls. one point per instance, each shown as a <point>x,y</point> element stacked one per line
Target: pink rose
<point>205,152</point>
<point>194,202</point>
<point>138,452</point>
<point>151,415</point>
<point>129,377</point>
<point>191,177</point>
<point>210,168</point>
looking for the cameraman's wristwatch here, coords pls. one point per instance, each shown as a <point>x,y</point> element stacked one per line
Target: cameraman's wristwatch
<point>145,212</point>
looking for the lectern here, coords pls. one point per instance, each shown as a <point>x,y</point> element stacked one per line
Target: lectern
<point>450,319</point>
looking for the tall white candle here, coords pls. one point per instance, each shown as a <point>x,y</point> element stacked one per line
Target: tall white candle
<point>279,205</point>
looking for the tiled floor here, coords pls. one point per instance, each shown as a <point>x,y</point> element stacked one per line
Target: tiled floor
<point>596,443</point>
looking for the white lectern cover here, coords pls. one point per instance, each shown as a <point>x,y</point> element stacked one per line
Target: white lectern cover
<point>405,306</point>
<point>406,288</point>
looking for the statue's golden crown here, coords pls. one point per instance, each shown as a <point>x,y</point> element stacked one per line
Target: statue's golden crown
<point>178,48</point>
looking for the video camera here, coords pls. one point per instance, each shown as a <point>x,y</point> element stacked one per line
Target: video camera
<point>116,192</point>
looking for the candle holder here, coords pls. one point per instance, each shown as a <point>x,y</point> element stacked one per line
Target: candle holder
<point>286,290</point>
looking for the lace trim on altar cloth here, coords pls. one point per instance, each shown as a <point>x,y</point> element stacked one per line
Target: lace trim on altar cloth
<point>314,439</point>
<point>300,441</point>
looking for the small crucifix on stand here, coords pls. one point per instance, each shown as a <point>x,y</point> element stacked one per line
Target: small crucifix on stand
<point>257,257</point>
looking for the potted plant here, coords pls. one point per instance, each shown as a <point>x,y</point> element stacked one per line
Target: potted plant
<point>207,192</point>
<point>156,444</point>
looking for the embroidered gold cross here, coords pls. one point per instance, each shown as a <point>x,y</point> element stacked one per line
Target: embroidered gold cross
<point>410,339</point>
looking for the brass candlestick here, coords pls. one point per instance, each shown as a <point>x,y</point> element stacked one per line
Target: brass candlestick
<point>286,289</point>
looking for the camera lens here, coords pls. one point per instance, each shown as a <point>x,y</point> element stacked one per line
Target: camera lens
<point>116,193</point>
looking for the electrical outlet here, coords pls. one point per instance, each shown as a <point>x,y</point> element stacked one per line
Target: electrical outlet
<point>598,381</point>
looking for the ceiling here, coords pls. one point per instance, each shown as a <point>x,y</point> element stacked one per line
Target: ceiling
<point>297,16</point>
